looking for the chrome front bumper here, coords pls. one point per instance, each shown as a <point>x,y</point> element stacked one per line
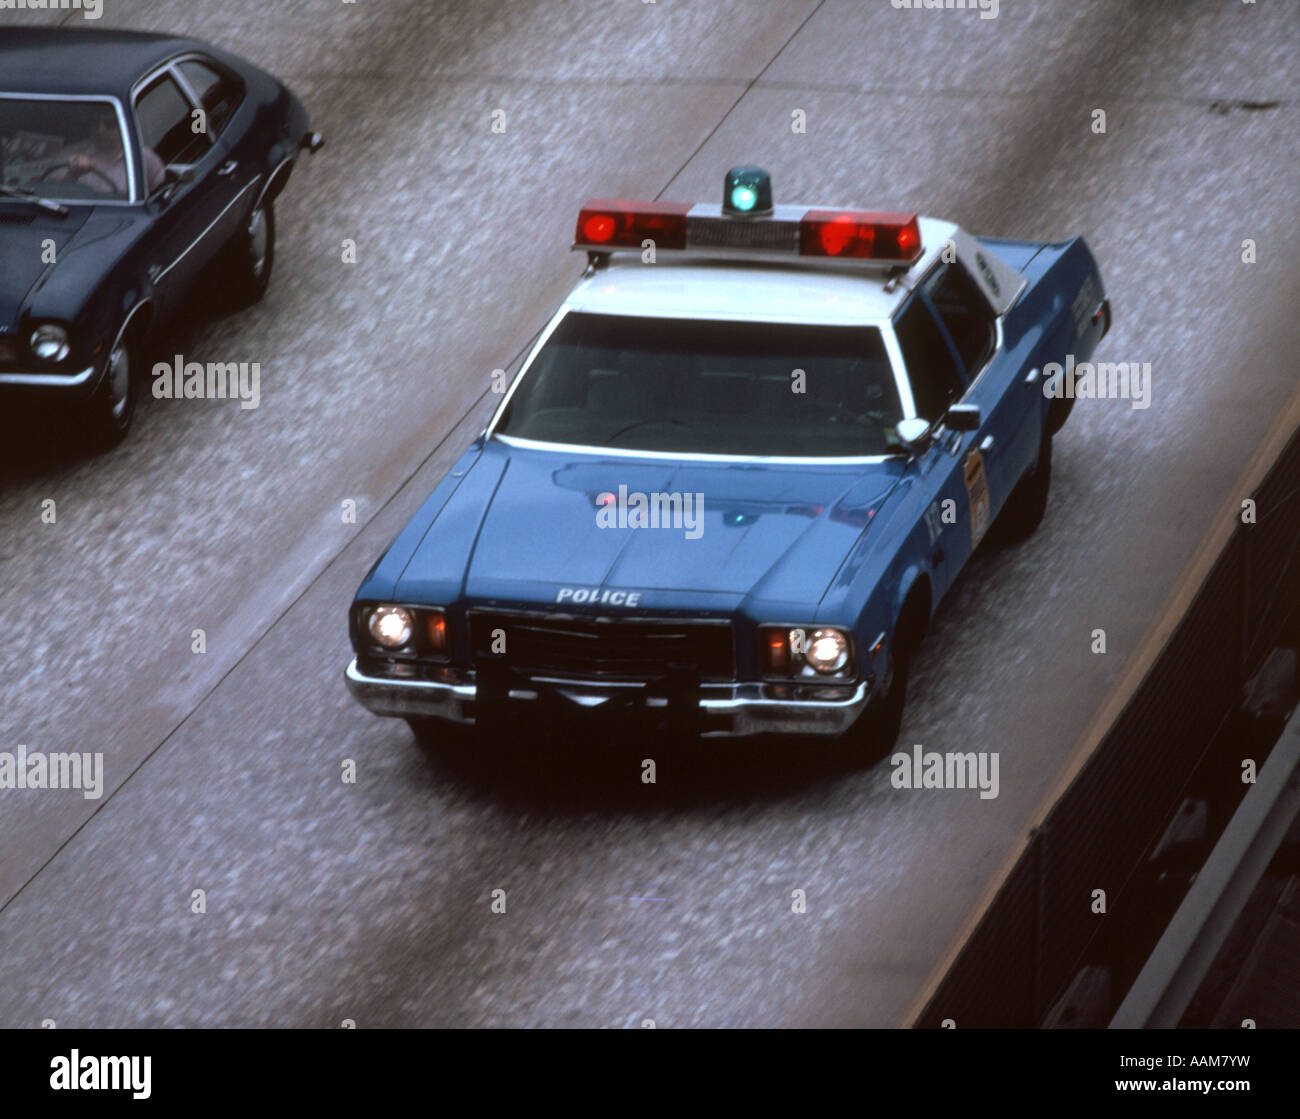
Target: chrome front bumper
<point>72,385</point>
<point>725,710</point>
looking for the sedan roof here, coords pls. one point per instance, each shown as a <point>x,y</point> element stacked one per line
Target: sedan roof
<point>49,60</point>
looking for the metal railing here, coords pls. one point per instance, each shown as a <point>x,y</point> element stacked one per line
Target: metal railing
<point>1033,936</point>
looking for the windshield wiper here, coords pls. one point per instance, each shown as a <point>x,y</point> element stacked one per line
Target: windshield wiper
<point>47,204</point>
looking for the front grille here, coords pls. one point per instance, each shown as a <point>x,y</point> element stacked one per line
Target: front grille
<point>9,351</point>
<point>601,648</point>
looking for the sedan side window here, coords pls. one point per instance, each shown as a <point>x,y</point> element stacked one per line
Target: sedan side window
<point>219,95</point>
<point>966,314</point>
<point>931,369</point>
<point>166,127</point>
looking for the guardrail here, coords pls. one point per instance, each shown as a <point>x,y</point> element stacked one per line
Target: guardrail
<point>1031,932</point>
<point>1167,984</point>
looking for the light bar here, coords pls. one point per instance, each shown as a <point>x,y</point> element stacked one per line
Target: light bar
<point>860,234</point>
<point>789,231</point>
<point>613,223</point>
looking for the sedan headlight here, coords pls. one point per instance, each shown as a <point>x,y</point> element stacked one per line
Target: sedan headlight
<point>49,342</point>
<point>391,627</point>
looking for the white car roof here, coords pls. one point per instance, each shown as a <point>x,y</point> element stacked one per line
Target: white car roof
<point>711,289</point>
<point>679,285</point>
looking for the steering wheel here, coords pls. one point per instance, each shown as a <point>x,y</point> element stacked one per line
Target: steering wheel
<point>112,186</point>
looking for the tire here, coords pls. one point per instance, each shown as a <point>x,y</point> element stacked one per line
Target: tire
<point>877,728</point>
<point>425,731</point>
<point>108,414</point>
<point>890,702</point>
<point>1058,413</point>
<point>251,255</point>
<point>1027,504</point>
<point>438,734</point>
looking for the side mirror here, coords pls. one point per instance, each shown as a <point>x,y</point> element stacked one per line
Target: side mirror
<point>172,178</point>
<point>914,434</point>
<point>962,417</point>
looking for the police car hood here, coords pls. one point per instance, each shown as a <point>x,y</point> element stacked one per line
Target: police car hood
<point>527,523</point>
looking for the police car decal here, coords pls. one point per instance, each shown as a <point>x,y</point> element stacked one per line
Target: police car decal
<point>977,494</point>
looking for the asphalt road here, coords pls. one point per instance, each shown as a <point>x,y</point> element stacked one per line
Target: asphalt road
<point>372,901</point>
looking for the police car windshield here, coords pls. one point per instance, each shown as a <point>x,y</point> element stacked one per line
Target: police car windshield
<point>695,386</point>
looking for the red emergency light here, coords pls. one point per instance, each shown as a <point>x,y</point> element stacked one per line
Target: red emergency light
<point>618,223</point>
<point>786,231</point>
<point>860,235</point>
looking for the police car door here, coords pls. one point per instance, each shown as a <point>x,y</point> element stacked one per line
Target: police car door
<point>951,485</point>
<point>1007,443</point>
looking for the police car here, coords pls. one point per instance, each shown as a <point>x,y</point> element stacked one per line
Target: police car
<point>736,474</point>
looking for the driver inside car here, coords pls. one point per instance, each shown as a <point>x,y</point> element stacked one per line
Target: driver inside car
<point>105,163</point>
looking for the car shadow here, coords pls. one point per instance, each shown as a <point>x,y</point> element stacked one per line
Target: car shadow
<point>630,768</point>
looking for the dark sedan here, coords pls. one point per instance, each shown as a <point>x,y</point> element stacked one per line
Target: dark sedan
<point>131,164</point>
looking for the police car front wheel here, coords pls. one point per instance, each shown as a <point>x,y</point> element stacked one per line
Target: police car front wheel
<point>876,730</point>
<point>1028,501</point>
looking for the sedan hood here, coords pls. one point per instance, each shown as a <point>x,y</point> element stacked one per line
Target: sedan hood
<point>24,255</point>
<point>528,522</point>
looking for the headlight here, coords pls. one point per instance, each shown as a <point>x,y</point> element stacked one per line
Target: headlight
<point>390,626</point>
<point>49,342</point>
<point>827,651</point>
<point>794,652</point>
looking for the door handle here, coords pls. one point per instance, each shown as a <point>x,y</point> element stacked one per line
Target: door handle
<point>227,169</point>
<point>1033,376</point>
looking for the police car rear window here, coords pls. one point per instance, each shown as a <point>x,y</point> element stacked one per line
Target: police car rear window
<point>709,387</point>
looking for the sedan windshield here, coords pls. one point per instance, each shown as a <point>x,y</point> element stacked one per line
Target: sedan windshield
<point>67,150</point>
<point>693,386</point>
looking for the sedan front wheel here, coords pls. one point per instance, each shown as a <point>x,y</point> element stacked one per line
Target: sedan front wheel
<point>251,255</point>
<point>109,412</point>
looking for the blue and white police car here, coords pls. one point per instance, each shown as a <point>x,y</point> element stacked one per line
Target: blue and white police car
<point>736,474</point>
